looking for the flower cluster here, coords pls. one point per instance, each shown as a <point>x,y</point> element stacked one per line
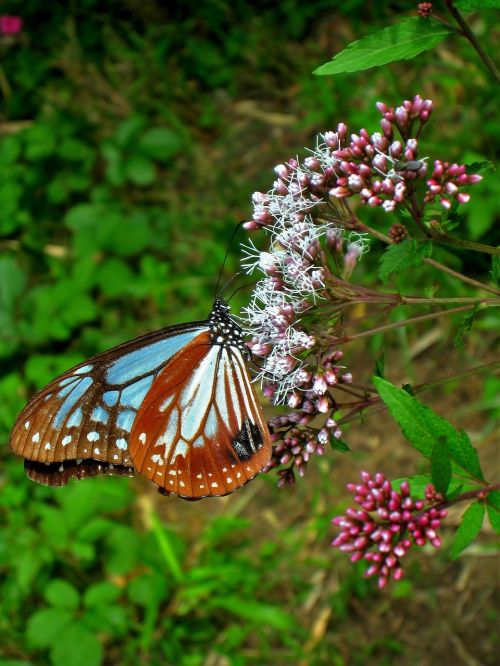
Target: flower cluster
<point>313,248</point>
<point>10,25</point>
<point>424,9</point>
<point>378,168</point>
<point>387,525</point>
<point>446,181</point>
<point>296,370</point>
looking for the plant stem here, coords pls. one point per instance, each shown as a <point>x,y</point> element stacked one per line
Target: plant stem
<point>471,494</point>
<point>416,300</point>
<point>416,212</point>
<point>406,322</point>
<point>461,276</point>
<point>431,262</point>
<point>467,245</point>
<point>375,402</point>
<point>468,34</point>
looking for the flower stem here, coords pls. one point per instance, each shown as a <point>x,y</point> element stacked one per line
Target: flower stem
<point>471,494</point>
<point>461,276</point>
<point>375,402</point>
<point>468,34</point>
<point>399,324</point>
<point>468,245</point>
<point>358,225</point>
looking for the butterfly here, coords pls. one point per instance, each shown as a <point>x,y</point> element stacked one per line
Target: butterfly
<point>177,405</point>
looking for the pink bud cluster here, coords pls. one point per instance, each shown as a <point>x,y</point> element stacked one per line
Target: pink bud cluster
<point>378,168</point>
<point>10,25</point>
<point>387,525</point>
<point>404,117</point>
<point>296,440</point>
<point>296,446</point>
<point>446,181</point>
<point>424,9</point>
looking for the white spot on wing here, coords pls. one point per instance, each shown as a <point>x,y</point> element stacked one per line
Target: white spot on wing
<point>27,425</point>
<point>35,437</point>
<point>47,446</point>
<point>96,450</point>
<point>142,438</point>
<point>121,443</point>
<point>93,436</point>
<point>66,440</point>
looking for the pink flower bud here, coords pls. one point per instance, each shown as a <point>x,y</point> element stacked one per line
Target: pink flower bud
<point>323,405</point>
<point>331,139</point>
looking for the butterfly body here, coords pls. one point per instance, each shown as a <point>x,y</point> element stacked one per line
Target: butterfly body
<point>177,405</point>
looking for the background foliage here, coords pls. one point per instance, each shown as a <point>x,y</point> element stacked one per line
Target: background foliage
<point>131,137</point>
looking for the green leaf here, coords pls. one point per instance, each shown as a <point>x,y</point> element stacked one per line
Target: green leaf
<point>494,499</point>
<point>472,521</point>
<point>422,427</point>
<point>441,466</point>
<point>12,283</point>
<point>46,625</point>
<point>402,41</point>
<point>494,516</point>
<point>108,619</point>
<point>160,144</point>
<point>465,326</point>
<point>470,5</point>
<point>339,445</point>
<point>140,170</point>
<point>114,277</point>
<point>400,256</point>
<point>127,131</point>
<point>124,550</point>
<point>61,594</point>
<point>147,589</point>
<point>254,611</point>
<point>495,267</point>
<point>101,593</point>
<point>77,646</point>
<point>419,482</point>
<point>464,454</point>
<point>380,365</point>
<point>483,165</point>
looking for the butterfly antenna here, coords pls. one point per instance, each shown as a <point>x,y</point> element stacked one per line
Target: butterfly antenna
<point>243,286</point>
<point>235,231</point>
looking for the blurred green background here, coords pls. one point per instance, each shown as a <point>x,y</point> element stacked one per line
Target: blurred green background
<point>131,138</point>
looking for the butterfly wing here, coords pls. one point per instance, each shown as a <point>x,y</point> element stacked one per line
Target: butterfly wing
<point>59,474</point>
<point>200,430</point>
<point>88,412</point>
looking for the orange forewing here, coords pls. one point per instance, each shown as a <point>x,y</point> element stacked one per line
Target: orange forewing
<point>208,465</point>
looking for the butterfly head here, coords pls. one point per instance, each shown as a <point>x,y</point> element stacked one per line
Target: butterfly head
<point>224,330</point>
